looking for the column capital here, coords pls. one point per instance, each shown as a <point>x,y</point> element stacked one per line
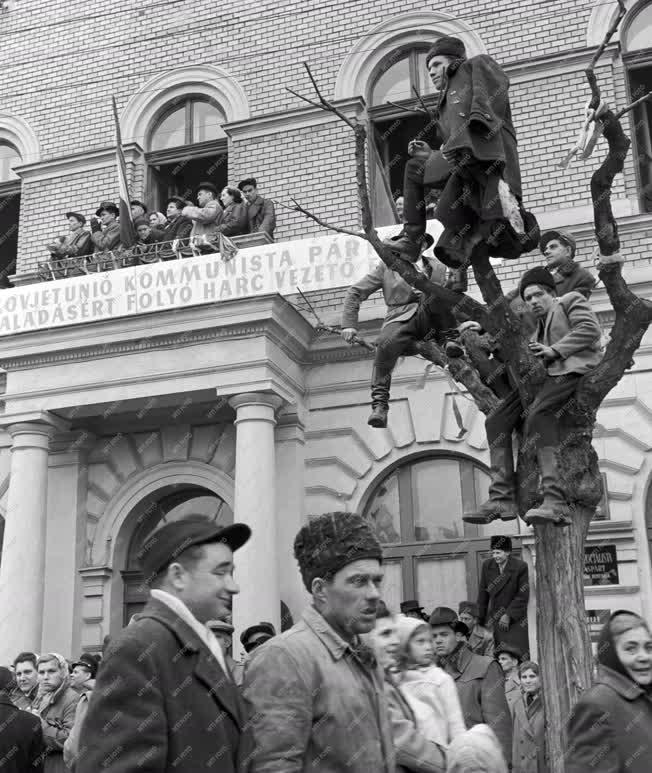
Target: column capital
<point>30,434</point>
<point>34,417</point>
<point>265,399</point>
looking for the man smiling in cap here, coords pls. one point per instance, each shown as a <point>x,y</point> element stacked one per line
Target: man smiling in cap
<point>167,665</point>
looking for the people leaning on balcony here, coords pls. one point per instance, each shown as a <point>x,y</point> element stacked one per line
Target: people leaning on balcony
<point>105,231</point>
<point>207,216</point>
<point>234,217</point>
<point>146,246</point>
<point>261,215</point>
<point>77,242</point>
<point>178,226</point>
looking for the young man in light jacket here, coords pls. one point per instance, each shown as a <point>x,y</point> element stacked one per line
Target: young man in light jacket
<point>567,339</point>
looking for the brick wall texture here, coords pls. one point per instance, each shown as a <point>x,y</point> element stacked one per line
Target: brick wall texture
<point>63,59</point>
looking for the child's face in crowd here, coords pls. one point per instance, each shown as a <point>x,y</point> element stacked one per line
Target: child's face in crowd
<point>420,647</point>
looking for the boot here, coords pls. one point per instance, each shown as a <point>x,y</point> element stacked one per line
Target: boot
<point>501,502</point>
<point>378,416</point>
<point>381,382</point>
<point>554,505</point>
<point>408,243</point>
<point>452,343</point>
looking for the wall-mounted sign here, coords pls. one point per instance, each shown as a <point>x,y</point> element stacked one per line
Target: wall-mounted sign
<point>596,618</point>
<point>600,565</point>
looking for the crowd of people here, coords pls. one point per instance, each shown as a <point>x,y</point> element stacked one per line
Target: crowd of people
<point>350,687</point>
<point>184,230</point>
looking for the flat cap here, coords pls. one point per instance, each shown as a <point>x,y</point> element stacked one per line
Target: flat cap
<point>207,186</point>
<point>470,607</point>
<point>77,216</point>
<point>166,543</point>
<point>562,236</point>
<point>508,649</point>
<point>266,630</point>
<point>330,542</point>
<point>107,206</point>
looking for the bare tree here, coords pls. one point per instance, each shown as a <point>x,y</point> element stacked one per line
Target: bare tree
<point>501,350</point>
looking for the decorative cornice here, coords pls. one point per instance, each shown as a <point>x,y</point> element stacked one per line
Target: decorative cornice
<point>98,158</point>
<point>291,120</point>
<point>524,70</point>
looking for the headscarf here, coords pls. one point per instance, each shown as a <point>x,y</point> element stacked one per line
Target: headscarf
<point>620,622</point>
<point>477,749</point>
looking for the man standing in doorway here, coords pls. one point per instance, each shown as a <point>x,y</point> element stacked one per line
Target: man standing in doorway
<point>503,595</point>
<point>316,692</point>
<point>164,699</point>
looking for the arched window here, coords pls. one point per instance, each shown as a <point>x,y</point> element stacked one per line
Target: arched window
<point>9,209</point>
<point>399,79</point>
<point>430,553</point>
<point>637,46</point>
<point>186,146</point>
<point>153,512</point>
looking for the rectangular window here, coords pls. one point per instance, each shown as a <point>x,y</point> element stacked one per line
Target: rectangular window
<point>640,83</point>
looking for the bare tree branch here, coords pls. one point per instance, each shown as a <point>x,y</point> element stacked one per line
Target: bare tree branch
<point>590,70</point>
<point>634,104</point>
<point>298,208</point>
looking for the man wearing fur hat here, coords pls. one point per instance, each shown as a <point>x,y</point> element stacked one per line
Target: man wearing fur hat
<point>477,164</point>
<point>567,339</point>
<point>316,692</point>
<point>410,317</point>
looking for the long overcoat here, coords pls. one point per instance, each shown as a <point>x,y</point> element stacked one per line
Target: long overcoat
<point>21,739</point>
<point>610,728</point>
<point>162,703</point>
<point>505,593</point>
<point>528,754</point>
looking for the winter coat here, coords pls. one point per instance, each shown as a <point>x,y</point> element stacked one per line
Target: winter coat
<point>512,692</point>
<point>57,710</point>
<point>505,593</point>
<point>234,220</point>
<point>571,277</point>
<point>107,239</point>
<point>572,329</point>
<point>72,244</point>
<point>21,739</point>
<point>315,706</point>
<point>528,750</point>
<point>414,751</point>
<point>204,219</point>
<point>481,687</point>
<point>25,701</point>
<point>475,115</point>
<point>481,641</point>
<point>401,298</point>
<point>179,228</point>
<point>72,743</point>
<point>610,728</point>
<point>163,703</point>
<point>261,216</point>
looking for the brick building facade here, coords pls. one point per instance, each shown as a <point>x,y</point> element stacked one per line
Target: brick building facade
<point>78,398</point>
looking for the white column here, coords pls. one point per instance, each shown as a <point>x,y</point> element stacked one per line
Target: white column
<point>22,570</point>
<point>255,504</point>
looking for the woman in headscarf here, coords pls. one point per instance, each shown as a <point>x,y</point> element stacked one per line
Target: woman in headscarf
<point>610,728</point>
<point>476,751</point>
<point>528,750</point>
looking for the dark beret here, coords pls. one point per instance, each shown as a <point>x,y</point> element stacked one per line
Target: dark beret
<point>329,542</point>
<point>166,543</point>
<point>508,649</point>
<point>539,275</point>
<point>207,187</point>
<point>447,46</point>
<point>78,216</point>
<point>136,203</point>
<point>262,628</point>
<point>443,616</point>
<point>7,680</point>
<point>109,206</point>
<point>470,607</point>
<point>141,221</point>
<point>500,542</point>
<point>248,181</point>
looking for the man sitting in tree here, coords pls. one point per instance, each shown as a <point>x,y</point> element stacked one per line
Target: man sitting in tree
<point>567,339</point>
<point>477,166</point>
<point>410,318</point>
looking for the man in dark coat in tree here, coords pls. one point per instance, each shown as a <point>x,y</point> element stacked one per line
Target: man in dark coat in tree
<point>477,165</point>
<point>503,595</point>
<point>164,698</point>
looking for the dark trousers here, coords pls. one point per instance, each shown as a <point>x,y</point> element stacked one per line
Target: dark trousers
<point>541,419</point>
<point>414,204</point>
<point>397,339</point>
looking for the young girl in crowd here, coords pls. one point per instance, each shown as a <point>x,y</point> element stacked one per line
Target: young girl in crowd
<point>428,689</point>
